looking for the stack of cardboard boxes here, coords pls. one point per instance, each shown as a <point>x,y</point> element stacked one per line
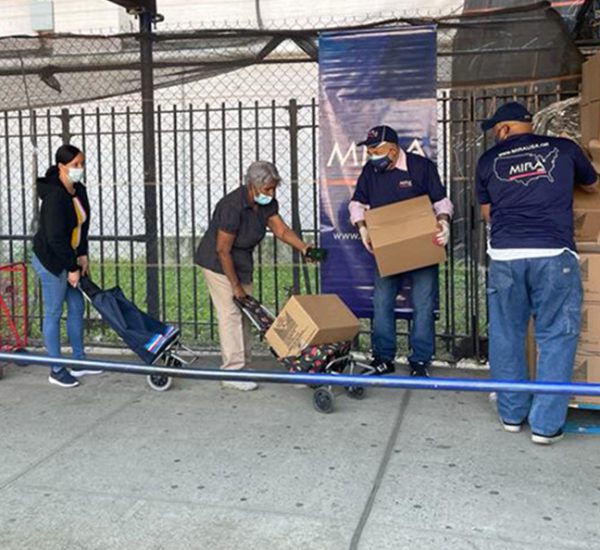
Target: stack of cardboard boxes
<point>590,101</point>
<point>587,361</point>
<point>586,208</point>
<point>587,235</point>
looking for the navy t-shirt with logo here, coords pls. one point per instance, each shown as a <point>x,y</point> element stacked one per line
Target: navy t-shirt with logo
<point>382,188</point>
<point>528,180</point>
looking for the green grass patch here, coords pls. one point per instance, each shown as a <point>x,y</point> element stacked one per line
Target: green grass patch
<point>184,301</point>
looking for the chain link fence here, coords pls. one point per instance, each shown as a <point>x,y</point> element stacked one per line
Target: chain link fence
<point>207,133</point>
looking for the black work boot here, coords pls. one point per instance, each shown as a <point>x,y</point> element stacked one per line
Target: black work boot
<point>419,368</point>
<point>382,367</point>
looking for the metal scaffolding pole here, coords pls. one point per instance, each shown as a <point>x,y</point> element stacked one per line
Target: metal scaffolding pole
<point>150,203</point>
<point>146,11</point>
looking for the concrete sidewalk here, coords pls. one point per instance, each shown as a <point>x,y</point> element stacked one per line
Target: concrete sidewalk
<point>114,465</point>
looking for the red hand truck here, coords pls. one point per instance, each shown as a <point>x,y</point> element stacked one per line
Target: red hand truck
<point>13,308</point>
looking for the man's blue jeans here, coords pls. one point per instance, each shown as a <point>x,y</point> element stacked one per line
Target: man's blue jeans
<point>550,290</point>
<point>55,291</point>
<point>422,333</point>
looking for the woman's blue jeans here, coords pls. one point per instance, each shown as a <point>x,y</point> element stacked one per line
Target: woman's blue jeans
<point>55,292</point>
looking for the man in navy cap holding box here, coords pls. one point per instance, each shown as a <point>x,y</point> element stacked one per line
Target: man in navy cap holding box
<point>525,187</point>
<point>392,175</point>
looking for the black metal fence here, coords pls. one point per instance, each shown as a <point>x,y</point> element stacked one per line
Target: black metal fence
<point>202,150</point>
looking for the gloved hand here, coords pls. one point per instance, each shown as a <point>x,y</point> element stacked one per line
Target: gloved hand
<point>443,235</point>
<point>365,238</point>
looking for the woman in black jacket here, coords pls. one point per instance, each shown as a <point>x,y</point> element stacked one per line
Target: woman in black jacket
<point>61,255</point>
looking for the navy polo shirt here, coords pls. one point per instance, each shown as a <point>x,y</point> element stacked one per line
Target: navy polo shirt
<point>382,188</point>
<point>235,214</point>
<point>528,180</point>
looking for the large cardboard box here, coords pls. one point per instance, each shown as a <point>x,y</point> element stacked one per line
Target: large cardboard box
<point>587,248</point>
<point>311,319</point>
<point>402,236</point>
<point>594,149</point>
<point>586,214</point>
<point>590,80</point>
<point>590,101</point>
<point>587,369</point>
<point>590,123</point>
<point>590,275</point>
<point>589,339</point>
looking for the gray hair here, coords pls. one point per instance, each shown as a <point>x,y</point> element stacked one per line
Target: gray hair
<point>261,172</point>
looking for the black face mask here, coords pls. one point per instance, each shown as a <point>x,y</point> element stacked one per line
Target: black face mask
<point>380,162</point>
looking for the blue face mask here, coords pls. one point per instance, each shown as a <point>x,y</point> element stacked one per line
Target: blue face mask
<point>262,199</point>
<point>380,162</point>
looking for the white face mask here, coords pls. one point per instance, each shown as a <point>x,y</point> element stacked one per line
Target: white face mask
<point>75,174</point>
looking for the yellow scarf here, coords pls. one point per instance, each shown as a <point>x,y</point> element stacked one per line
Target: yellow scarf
<point>81,219</point>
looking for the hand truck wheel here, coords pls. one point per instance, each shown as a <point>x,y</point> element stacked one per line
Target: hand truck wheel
<point>323,400</point>
<point>162,382</point>
<point>159,382</point>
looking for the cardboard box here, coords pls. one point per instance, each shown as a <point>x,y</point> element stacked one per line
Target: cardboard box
<point>587,369</point>
<point>586,216</point>
<point>588,248</point>
<point>590,276</point>
<point>590,123</point>
<point>594,150</point>
<point>589,339</point>
<point>402,236</point>
<point>311,319</point>
<point>590,80</point>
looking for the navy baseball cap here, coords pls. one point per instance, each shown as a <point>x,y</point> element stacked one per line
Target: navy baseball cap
<point>511,111</point>
<point>379,134</point>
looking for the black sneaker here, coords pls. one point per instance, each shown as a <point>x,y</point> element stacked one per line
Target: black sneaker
<point>63,379</point>
<point>547,439</point>
<point>382,367</point>
<point>419,369</point>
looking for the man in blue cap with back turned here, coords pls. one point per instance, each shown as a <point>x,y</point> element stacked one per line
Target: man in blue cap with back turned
<point>393,175</point>
<point>525,187</point>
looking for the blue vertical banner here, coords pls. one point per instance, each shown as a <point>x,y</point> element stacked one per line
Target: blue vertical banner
<point>366,78</point>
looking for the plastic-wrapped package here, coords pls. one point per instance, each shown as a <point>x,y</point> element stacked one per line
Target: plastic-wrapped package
<point>560,119</point>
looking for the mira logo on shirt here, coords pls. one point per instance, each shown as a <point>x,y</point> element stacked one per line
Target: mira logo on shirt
<point>526,167</point>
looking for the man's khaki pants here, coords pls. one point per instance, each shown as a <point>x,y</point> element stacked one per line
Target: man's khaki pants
<point>235,331</point>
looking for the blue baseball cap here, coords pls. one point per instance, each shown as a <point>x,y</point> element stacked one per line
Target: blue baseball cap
<point>511,111</point>
<point>379,134</point>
